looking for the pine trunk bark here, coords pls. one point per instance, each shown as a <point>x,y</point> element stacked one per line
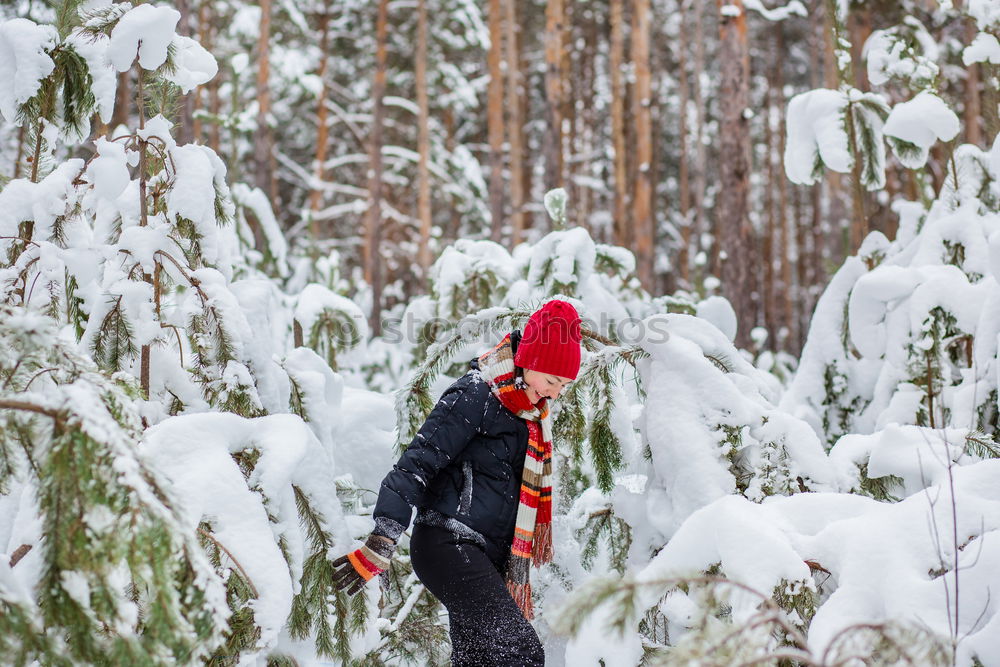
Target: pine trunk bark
<point>570,89</point>
<point>642,199</point>
<point>768,255</point>
<point>322,130</point>
<point>991,99</point>
<point>622,228</point>
<point>214,99</point>
<point>973,104</point>
<point>145,350</point>
<point>423,142</point>
<point>553,143</point>
<point>829,210</point>
<point>515,128</point>
<point>197,96</point>
<point>21,136</point>
<point>494,117</point>
<point>451,143</point>
<point>684,185</point>
<point>585,147</point>
<point>735,233</point>
<point>701,150</point>
<point>373,240</point>
<point>185,128</point>
<point>263,136</point>
<point>527,174</point>
<point>123,101</point>
<point>807,255</point>
<point>785,248</point>
<point>861,30</point>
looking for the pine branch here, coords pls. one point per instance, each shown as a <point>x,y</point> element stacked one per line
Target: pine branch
<point>413,402</point>
<point>605,447</point>
<point>115,340</point>
<point>333,331</point>
<point>979,444</point>
<point>102,21</point>
<point>222,548</point>
<point>318,601</point>
<point>22,636</point>
<point>111,516</point>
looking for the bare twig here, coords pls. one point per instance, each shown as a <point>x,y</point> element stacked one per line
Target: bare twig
<point>39,373</point>
<point>18,554</point>
<point>222,547</point>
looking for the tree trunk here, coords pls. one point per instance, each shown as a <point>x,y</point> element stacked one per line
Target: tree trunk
<point>736,235</point>
<point>451,142</point>
<point>123,101</point>
<point>322,131</point>
<point>373,268</point>
<point>701,150</point>
<point>494,117</point>
<point>569,91</point>
<point>524,106</point>
<point>553,144</point>
<point>684,198</point>
<point>642,201</point>
<point>21,135</point>
<point>205,37</point>
<point>768,289</point>
<point>980,110</point>
<point>145,350</point>
<point>829,211</point>
<point>861,30</point>
<point>973,106</point>
<point>623,230</point>
<point>185,126</point>
<point>786,255</point>
<point>585,100</point>
<point>423,142</point>
<point>991,99</point>
<point>214,99</point>
<point>263,136</point>
<point>515,128</point>
<point>840,55</point>
<point>807,257</point>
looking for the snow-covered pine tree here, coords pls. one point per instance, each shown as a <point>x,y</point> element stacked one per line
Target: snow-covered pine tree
<point>135,254</point>
<point>107,571</point>
<point>845,130</point>
<point>843,385</point>
<point>932,293</point>
<point>607,460</point>
<point>901,356</point>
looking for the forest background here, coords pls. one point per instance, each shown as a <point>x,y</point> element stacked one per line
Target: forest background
<point>231,232</point>
<point>386,131</point>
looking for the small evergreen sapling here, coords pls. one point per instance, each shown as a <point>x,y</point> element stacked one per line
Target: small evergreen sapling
<point>68,433</point>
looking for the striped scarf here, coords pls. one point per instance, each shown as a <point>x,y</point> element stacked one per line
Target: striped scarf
<point>533,528</point>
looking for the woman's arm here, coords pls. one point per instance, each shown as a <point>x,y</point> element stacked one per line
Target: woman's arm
<point>456,418</point>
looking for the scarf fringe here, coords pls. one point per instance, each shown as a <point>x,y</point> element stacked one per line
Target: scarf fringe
<point>522,598</point>
<point>541,544</point>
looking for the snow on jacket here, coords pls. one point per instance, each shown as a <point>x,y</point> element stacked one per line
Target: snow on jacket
<point>464,463</point>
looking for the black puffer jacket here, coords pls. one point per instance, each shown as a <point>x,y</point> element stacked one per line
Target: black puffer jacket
<point>464,463</point>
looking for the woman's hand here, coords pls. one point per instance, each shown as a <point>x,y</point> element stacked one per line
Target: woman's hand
<point>353,571</point>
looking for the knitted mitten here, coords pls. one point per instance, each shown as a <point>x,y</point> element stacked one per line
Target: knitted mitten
<point>353,571</point>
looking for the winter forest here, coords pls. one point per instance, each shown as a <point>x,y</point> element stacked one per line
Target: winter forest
<point>244,247</point>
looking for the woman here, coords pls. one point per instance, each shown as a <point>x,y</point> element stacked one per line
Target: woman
<point>479,474</point>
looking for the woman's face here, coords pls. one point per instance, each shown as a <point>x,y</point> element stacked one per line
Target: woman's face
<point>543,385</point>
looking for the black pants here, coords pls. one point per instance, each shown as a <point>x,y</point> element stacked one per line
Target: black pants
<point>487,628</point>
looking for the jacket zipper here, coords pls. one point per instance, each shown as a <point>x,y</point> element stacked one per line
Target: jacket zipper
<point>465,500</point>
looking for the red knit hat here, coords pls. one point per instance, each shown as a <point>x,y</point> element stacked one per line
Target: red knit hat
<point>551,341</point>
